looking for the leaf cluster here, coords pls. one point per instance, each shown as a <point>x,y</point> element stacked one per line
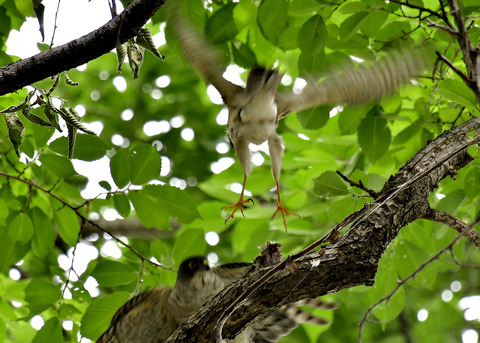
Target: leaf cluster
<point>175,188</point>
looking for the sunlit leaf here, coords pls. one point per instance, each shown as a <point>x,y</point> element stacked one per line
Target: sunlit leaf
<point>42,292</point>
<point>119,168</point>
<point>67,225</point>
<point>312,35</point>
<point>87,147</point>
<point>458,92</point>
<point>329,183</point>
<point>314,118</point>
<point>272,18</point>
<point>188,243</point>
<point>21,228</point>
<point>148,210</point>
<point>99,313</point>
<point>219,27</point>
<point>113,273</point>
<point>51,332</point>
<point>174,201</point>
<point>144,163</point>
<point>12,251</point>
<point>122,204</point>
<point>58,165</point>
<point>374,134</point>
<point>45,235</point>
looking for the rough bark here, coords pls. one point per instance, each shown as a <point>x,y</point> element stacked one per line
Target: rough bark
<point>353,259</point>
<point>79,51</point>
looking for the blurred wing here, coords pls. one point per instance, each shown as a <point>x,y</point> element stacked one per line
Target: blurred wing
<point>231,272</point>
<point>202,55</point>
<point>354,86</point>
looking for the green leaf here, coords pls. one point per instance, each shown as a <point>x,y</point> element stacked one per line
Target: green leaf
<point>119,168</point>
<point>15,130</point>
<point>45,235</point>
<point>314,118</point>
<point>329,183</point>
<point>374,22</point>
<point>374,135</point>
<point>105,185</point>
<point>272,18</point>
<point>388,311</point>
<point>113,273</point>
<point>21,228</point>
<point>42,292</point>
<point>219,27</point>
<point>244,13</point>
<point>3,211</point>
<point>385,282</point>
<point>12,252</point>
<point>148,211</point>
<point>144,164</point>
<point>312,35</point>
<point>122,204</point>
<point>472,184</point>
<point>99,313</point>
<point>312,63</point>
<point>188,243</point>
<point>350,118</point>
<point>67,225</point>
<point>407,134</point>
<point>174,201</point>
<point>458,92</point>
<point>51,332</point>
<point>452,201</point>
<point>87,147</point>
<point>289,38</point>
<point>352,25</point>
<point>409,257</point>
<point>58,165</point>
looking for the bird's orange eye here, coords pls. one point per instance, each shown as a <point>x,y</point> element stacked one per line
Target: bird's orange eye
<point>191,265</point>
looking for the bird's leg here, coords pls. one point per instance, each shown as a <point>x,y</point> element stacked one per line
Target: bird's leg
<point>281,208</point>
<point>240,201</point>
<point>276,153</point>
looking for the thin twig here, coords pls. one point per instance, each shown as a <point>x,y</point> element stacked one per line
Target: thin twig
<point>83,218</point>
<point>55,24</point>
<point>405,280</point>
<point>455,223</point>
<point>359,185</point>
<point>423,9</point>
<point>454,68</point>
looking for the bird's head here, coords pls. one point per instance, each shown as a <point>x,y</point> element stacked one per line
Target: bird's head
<point>191,266</point>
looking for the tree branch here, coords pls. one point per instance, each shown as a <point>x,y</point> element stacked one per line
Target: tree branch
<point>79,51</point>
<point>455,223</point>
<point>353,259</point>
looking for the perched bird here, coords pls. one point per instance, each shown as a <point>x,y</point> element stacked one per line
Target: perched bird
<point>152,316</point>
<point>254,111</point>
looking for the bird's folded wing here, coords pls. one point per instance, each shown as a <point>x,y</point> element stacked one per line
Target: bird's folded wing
<point>203,56</point>
<point>354,86</point>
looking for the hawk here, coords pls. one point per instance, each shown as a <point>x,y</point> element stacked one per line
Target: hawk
<point>255,110</point>
<point>152,316</point>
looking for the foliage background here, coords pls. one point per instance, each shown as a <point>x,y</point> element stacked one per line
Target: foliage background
<point>44,217</point>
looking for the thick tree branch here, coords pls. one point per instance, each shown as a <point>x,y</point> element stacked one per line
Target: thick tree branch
<point>353,259</point>
<point>79,51</point>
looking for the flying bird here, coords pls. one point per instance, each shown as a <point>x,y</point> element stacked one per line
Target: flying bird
<point>255,110</point>
<point>154,315</point>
